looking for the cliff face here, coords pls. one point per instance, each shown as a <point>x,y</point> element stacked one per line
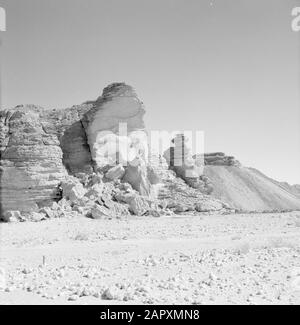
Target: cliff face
<point>115,128</point>
<point>31,159</point>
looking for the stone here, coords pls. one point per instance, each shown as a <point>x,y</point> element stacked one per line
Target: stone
<point>180,160</point>
<point>38,148</point>
<point>112,293</point>
<point>12,216</point>
<point>179,207</point>
<point>95,192</point>
<point>218,159</point>
<point>153,176</point>
<point>207,206</point>
<point>64,204</point>
<point>136,175</point>
<point>111,143</point>
<point>95,179</point>
<point>138,205</point>
<point>72,189</point>
<point>100,212</point>
<point>116,172</point>
<point>62,162</point>
<point>124,197</point>
<point>126,187</point>
<point>154,213</point>
<point>36,217</point>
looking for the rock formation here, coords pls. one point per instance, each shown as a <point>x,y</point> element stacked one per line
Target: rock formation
<point>110,142</point>
<point>248,190</point>
<point>181,161</point>
<point>92,160</point>
<point>40,148</point>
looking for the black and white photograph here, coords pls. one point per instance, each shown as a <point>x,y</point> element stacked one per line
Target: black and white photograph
<point>149,154</point>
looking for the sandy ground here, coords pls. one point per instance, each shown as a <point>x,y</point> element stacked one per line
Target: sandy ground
<point>230,259</point>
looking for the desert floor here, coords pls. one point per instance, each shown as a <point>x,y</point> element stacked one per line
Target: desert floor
<point>226,259</point>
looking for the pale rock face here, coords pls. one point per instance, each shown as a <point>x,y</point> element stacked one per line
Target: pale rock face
<point>116,172</point>
<point>137,176</point>
<point>209,206</point>
<point>12,216</point>
<point>111,142</point>
<point>72,189</point>
<point>37,149</point>
<point>31,160</point>
<point>138,205</point>
<point>99,212</point>
<point>180,160</point>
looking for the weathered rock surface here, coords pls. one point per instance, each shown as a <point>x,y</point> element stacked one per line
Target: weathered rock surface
<point>176,196</point>
<point>31,159</point>
<point>110,142</point>
<point>40,148</point>
<point>116,172</point>
<point>219,159</point>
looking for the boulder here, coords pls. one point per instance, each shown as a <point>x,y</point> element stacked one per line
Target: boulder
<point>209,205</point>
<point>115,173</point>
<point>72,189</point>
<point>37,217</point>
<point>12,216</point>
<point>38,148</point>
<point>95,192</point>
<point>118,210</point>
<point>219,159</point>
<point>139,205</point>
<point>100,212</point>
<point>48,212</point>
<point>137,176</point>
<point>181,207</point>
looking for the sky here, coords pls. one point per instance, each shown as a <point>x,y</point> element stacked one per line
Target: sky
<point>230,68</point>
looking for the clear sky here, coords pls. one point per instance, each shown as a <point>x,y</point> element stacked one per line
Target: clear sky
<point>227,67</point>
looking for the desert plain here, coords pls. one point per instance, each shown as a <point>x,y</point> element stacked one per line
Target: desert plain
<point>180,259</point>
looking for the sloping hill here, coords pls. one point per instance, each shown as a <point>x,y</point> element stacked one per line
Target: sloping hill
<point>249,190</point>
<point>294,189</point>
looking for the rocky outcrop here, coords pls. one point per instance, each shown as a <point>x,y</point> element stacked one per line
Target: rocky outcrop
<point>219,159</point>
<point>31,160</point>
<point>116,135</point>
<point>181,161</point>
<point>41,148</point>
<point>38,148</point>
<point>115,128</point>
